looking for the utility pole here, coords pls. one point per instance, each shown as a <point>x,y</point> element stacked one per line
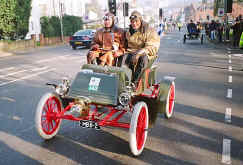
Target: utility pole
<point>61,6</point>
<point>125,11</point>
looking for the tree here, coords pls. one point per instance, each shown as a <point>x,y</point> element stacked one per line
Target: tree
<point>8,18</point>
<point>55,23</point>
<point>46,27</point>
<point>14,17</point>
<point>51,27</point>
<point>22,9</point>
<point>71,24</point>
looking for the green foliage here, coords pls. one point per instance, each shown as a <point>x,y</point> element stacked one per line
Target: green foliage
<point>23,9</point>
<point>55,24</point>
<point>71,24</point>
<point>51,27</point>
<point>46,27</point>
<point>14,17</point>
<point>7,17</point>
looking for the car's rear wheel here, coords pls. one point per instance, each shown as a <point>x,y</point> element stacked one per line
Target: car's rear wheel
<point>138,128</point>
<point>170,101</point>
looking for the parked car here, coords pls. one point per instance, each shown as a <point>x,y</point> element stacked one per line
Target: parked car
<point>82,38</point>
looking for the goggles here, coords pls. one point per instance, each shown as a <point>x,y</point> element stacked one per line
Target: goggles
<point>105,18</point>
<point>133,17</point>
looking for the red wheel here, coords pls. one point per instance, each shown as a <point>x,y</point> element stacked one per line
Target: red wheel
<point>47,124</point>
<point>170,101</point>
<point>138,128</point>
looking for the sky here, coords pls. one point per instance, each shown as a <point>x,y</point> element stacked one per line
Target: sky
<point>169,3</point>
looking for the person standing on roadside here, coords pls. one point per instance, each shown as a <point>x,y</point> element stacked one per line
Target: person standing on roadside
<point>212,29</point>
<point>179,25</point>
<point>236,33</point>
<point>219,28</point>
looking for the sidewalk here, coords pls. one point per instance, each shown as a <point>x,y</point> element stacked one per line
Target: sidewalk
<point>225,46</point>
<point>28,50</point>
<point>5,54</point>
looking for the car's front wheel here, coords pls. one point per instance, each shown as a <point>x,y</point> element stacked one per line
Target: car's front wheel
<point>46,122</point>
<point>138,128</point>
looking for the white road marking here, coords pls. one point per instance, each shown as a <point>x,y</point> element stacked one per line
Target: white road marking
<point>229,56</point>
<point>230,61</point>
<point>238,55</point>
<point>228,115</point>
<point>38,69</point>
<point>230,68</point>
<point>64,57</point>
<point>230,79</point>
<point>13,73</point>
<point>229,93</point>
<point>26,77</point>
<point>53,58</point>
<point>45,60</point>
<point>226,151</point>
<point>6,69</point>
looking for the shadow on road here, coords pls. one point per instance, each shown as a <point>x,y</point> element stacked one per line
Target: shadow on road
<point>215,137</point>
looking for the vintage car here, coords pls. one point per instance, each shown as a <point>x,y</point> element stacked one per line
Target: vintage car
<point>100,96</point>
<point>194,35</point>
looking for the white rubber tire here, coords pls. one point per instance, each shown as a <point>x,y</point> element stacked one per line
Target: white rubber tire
<point>138,108</point>
<point>38,116</point>
<point>169,110</point>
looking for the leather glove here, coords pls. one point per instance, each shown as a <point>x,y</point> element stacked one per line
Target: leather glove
<point>93,55</point>
<point>95,47</point>
<point>116,54</point>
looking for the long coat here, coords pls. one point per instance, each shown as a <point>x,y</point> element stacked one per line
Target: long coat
<point>145,40</point>
<point>106,39</point>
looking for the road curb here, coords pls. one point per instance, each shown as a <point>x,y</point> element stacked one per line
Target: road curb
<point>5,54</point>
<point>28,50</point>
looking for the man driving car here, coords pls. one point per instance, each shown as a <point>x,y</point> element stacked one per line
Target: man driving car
<point>142,45</point>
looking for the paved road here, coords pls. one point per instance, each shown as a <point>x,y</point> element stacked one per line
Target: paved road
<point>208,83</point>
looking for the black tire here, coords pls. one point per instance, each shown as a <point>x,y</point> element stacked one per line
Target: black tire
<point>184,40</point>
<point>202,39</point>
<point>74,47</point>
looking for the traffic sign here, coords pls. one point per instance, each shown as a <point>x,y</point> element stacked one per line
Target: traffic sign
<point>220,12</point>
